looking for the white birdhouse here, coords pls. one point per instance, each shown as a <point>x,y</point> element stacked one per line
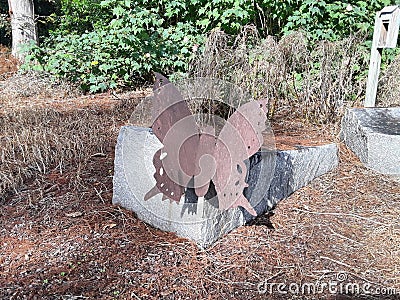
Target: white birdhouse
<point>390,20</point>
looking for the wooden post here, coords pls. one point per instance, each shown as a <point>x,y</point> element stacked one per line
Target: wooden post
<point>386,31</point>
<point>374,65</point>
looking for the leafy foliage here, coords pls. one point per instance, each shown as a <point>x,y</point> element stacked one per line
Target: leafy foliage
<point>120,52</point>
<point>107,44</point>
<point>80,16</point>
<point>131,39</point>
<point>333,20</point>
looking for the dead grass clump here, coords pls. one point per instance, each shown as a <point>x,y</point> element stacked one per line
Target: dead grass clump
<point>329,79</point>
<point>36,85</point>
<point>389,89</point>
<point>34,141</point>
<point>246,61</point>
<point>314,81</point>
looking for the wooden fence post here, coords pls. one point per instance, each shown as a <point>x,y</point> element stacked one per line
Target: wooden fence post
<point>386,31</point>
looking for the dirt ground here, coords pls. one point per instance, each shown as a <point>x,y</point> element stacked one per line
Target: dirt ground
<point>337,238</point>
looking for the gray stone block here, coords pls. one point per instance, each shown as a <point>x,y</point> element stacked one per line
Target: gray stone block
<point>373,134</point>
<point>293,170</point>
<point>272,176</point>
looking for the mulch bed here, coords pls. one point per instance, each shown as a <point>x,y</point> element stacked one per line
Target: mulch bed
<point>61,238</point>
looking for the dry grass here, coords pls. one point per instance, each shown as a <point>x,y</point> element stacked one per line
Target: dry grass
<point>34,85</point>
<point>389,87</point>
<point>35,140</point>
<point>61,243</point>
<point>21,88</point>
<point>61,238</point>
<point>315,82</point>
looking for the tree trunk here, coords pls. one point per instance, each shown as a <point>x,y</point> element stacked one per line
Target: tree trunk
<point>22,25</point>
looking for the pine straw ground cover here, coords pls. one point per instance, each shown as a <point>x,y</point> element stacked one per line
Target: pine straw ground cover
<point>61,238</point>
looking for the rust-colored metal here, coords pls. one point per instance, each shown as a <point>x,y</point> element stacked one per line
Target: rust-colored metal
<point>175,127</point>
<point>164,184</point>
<point>191,156</point>
<point>239,139</point>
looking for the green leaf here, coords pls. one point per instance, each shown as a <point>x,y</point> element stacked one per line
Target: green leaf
<point>118,11</point>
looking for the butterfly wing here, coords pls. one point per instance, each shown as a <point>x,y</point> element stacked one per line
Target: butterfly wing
<point>175,127</point>
<point>205,162</point>
<point>240,138</point>
<point>164,184</point>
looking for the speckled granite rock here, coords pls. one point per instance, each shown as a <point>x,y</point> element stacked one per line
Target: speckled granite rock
<point>373,134</point>
<point>272,176</point>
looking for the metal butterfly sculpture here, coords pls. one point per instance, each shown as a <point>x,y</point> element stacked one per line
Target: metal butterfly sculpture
<point>192,157</point>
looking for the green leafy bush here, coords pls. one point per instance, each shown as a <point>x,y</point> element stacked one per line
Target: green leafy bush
<point>334,20</point>
<point>80,16</point>
<point>117,43</point>
<point>121,53</point>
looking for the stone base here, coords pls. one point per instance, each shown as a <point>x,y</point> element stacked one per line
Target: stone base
<point>373,134</point>
<point>272,176</point>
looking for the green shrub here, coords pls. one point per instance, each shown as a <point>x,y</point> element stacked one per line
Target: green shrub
<point>118,43</point>
<point>79,16</point>
<point>334,20</point>
<point>121,53</point>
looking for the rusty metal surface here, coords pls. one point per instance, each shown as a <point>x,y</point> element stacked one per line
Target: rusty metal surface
<point>160,81</point>
<point>240,138</point>
<point>191,158</point>
<point>164,184</point>
<point>205,163</point>
<point>176,128</point>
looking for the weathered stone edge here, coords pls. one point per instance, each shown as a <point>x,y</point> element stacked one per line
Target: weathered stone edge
<point>289,176</point>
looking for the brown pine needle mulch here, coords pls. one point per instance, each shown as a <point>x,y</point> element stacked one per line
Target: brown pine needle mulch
<point>58,243</point>
<point>61,238</point>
